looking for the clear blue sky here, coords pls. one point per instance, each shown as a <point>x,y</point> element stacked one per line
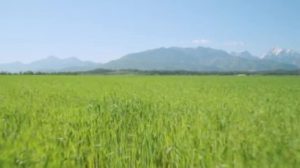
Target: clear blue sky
<point>103,30</point>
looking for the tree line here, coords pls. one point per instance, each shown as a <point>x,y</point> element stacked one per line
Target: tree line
<point>155,72</point>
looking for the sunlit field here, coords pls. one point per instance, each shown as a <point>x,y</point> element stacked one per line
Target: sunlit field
<point>149,121</point>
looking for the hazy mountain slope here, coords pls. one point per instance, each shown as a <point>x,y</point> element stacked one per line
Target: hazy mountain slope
<point>245,54</point>
<point>68,64</point>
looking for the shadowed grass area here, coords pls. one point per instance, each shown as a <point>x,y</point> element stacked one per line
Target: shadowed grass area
<point>149,121</point>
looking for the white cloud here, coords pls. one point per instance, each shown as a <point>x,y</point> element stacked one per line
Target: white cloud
<point>201,41</point>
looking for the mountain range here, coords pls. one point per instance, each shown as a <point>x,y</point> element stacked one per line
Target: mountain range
<point>173,58</point>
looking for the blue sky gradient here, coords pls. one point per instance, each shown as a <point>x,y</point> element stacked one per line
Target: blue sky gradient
<point>104,30</point>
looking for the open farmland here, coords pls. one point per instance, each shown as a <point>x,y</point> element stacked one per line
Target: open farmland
<point>149,121</point>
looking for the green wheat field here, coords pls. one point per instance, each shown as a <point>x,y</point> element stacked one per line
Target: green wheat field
<point>150,121</point>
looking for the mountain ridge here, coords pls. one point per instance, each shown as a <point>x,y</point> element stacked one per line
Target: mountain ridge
<point>195,59</point>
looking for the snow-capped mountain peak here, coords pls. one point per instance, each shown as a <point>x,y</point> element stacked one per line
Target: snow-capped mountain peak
<point>277,51</point>
<point>280,51</point>
<point>286,56</point>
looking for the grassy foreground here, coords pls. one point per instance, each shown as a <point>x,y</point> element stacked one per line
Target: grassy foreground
<point>149,121</point>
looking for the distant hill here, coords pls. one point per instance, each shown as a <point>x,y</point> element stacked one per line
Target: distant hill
<point>195,59</point>
<point>51,64</point>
